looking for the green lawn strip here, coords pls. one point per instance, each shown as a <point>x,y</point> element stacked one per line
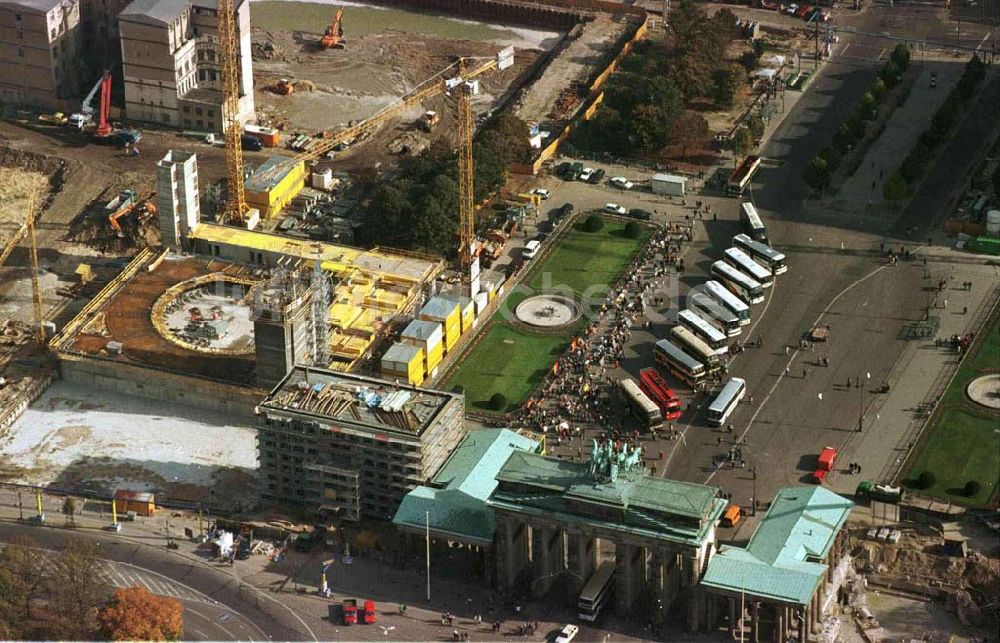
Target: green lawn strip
<point>584,259</point>
<point>508,361</point>
<point>962,446</point>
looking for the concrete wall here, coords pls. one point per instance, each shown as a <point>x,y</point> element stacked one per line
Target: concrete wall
<point>118,377</point>
<point>38,52</point>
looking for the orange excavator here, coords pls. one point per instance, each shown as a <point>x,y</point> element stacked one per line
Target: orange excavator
<point>334,36</point>
<point>128,204</point>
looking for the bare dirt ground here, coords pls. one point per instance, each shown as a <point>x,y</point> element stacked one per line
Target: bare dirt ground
<point>589,43</point>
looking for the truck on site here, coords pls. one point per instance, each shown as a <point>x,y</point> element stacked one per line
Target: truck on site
<point>868,490</point>
<point>55,118</point>
<point>349,611</point>
<point>368,616</point>
<point>429,120</point>
<point>824,465</point>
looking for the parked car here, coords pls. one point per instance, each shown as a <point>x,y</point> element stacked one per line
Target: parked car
<point>542,192</point>
<point>596,177</point>
<point>567,634</point>
<point>574,172</point>
<point>531,249</point>
<point>622,183</point>
<point>563,169</point>
<point>791,9</point>
<point>614,208</point>
<point>586,174</point>
<point>639,213</point>
<point>251,143</point>
<point>545,226</point>
<point>540,237</point>
<point>803,11</point>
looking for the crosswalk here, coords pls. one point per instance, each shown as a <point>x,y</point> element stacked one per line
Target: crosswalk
<point>124,575</point>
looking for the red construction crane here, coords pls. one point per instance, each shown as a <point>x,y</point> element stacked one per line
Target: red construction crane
<point>103,126</point>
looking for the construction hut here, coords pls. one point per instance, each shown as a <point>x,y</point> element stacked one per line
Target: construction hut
<point>404,362</point>
<point>275,184</point>
<point>445,312</point>
<point>428,336</point>
<point>466,313</point>
<point>141,502</point>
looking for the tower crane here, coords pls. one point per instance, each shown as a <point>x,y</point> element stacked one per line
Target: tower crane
<point>236,205</point>
<point>463,87</point>
<point>36,287</point>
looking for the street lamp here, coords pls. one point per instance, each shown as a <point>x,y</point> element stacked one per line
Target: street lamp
<point>753,483</point>
<point>861,408</point>
<point>386,630</point>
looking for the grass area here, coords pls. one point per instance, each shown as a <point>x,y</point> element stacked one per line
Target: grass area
<point>512,361</point>
<point>586,259</point>
<point>961,444</point>
<point>314,17</point>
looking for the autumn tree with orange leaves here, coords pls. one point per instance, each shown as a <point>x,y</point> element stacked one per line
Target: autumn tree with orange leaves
<point>134,614</point>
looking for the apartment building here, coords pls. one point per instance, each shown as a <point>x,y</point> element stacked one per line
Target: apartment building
<point>99,21</point>
<point>39,43</point>
<point>349,447</point>
<point>170,62</point>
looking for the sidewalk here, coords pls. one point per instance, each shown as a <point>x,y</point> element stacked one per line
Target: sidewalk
<point>890,423</point>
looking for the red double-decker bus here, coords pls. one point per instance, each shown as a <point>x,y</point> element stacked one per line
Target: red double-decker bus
<point>653,385</point>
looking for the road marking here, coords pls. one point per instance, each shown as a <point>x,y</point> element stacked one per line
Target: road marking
<point>217,624</point>
<point>791,359</point>
<point>844,50</point>
<point>980,45</point>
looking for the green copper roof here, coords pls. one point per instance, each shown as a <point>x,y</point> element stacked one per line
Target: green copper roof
<point>781,559</point>
<point>457,496</point>
<point>636,503</point>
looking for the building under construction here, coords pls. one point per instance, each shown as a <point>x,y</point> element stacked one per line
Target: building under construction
<point>239,313</point>
<point>348,446</point>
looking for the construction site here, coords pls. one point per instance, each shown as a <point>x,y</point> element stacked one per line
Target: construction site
<point>189,281</point>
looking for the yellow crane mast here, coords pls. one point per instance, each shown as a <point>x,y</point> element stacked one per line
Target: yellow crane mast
<point>236,205</point>
<point>466,195</point>
<point>36,287</point>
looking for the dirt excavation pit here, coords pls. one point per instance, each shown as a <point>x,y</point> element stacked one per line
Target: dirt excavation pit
<point>15,187</point>
<point>388,53</point>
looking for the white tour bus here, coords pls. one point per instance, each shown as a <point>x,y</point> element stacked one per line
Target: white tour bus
<point>746,288</point>
<point>752,221</point>
<point>596,592</point>
<point>693,345</point>
<point>734,304</point>
<point>720,316</point>
<point>726,401</point>
<point>644,409</point>
<point>677,362</point>
<point>762,253</point>
<point>742,261</point>
<point>708,333</point>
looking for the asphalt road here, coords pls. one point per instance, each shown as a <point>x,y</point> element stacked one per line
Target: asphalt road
<point>216,608</point>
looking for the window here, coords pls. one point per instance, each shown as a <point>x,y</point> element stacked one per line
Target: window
<point>165,117</point>
<point>211,113</point>
<point>17,17</point>
<point>197,110</point>
<point>187,109</point>
<point>211,74</point>
<point>187,122</point>
<point>52,33</point>
<point>201,74</point>
<point>20,52</point>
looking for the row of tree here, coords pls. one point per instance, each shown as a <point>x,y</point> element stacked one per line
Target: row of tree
<point>941,127</point>
<point>819,172</point>
<point>648,101</point>
<point>63,596</point>
<point>418,206</point>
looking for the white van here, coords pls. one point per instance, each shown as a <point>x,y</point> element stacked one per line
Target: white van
<point>531,249</point>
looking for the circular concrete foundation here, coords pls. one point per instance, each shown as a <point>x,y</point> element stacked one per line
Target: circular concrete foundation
<point>207,314</point>
<point>985,390</point>
<point>547,311</point>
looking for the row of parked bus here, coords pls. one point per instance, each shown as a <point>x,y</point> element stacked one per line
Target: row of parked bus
<point>698,345</point>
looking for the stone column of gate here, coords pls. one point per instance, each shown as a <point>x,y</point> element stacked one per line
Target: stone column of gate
<point>690,572</point>
<point>626,582</point>
<point>754,622</point>
<point>780,622</point>
<point>512,549</point>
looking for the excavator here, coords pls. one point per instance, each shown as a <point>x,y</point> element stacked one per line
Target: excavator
<point>128,204</point>
<point>334,36</point>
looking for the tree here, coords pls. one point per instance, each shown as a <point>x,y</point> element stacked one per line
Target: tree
<point>26,571</point>
<point>890,74</point>
<point>895,189</point>
<point>511,138</point>
<point>857,125</point>
<point>844,139</point>
<point>498,402</point>
<point>435,220</point>
<point>996,180</point>
<point>633,230</point>
<point>756,125</point>
<point>749,60</point>
<point>726,82</point>
<point>926,480</point>
<point>689,129</point>
<point>594,223</point>
<point>868,109</point>
<point>901,56</point>
<point>76,588</point>
<point>134,614</point>
<point>743,142</point>
<point>651,126</point>
<point>817,174</point>
<point>878,90</point>
<point>972,488</point>
<point>69,510</point>
<point>832,157</point>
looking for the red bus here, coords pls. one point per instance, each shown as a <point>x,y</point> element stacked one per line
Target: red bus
<point>653,385</point>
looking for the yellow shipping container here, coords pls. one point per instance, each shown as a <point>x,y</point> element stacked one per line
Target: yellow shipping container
<point>441,309</point>
<point>405,362</point>
<point>468,310</point>
<point>434,358</point>
<point>451,335</point>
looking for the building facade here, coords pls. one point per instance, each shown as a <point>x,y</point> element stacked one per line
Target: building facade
<point>349,447</point>
<point>177,196</point>
<point>170,62</point>
<point>39,44</point>
<point>99,22</point>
